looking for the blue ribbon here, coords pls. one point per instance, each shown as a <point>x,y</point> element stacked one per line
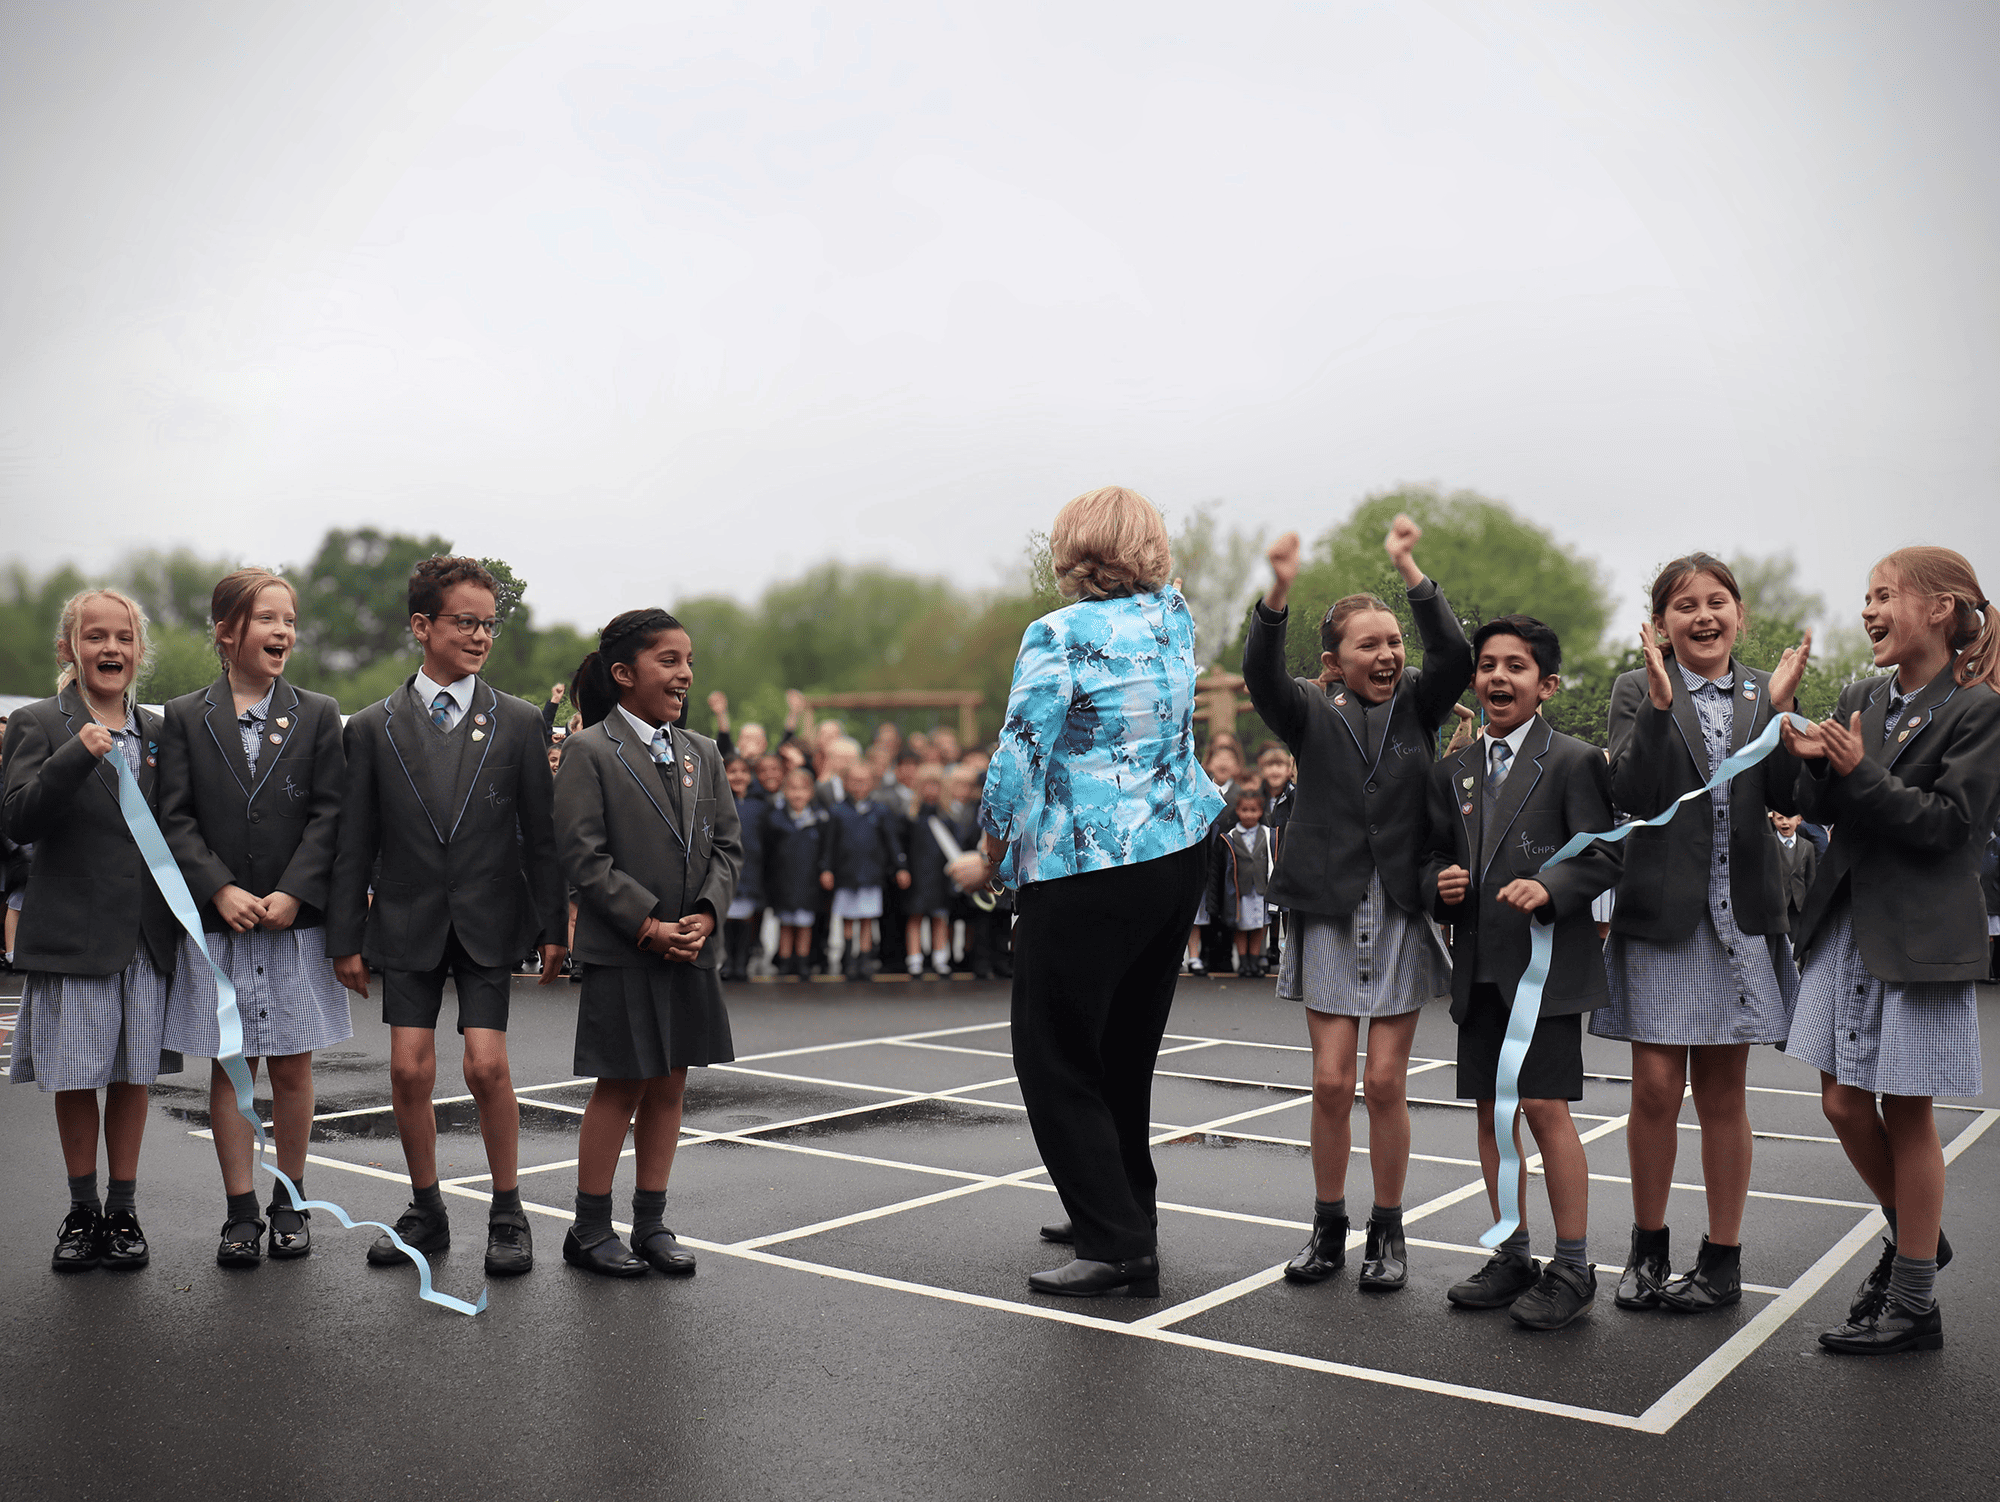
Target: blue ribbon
<point>229,1022</point>
<point>1527,1008</point>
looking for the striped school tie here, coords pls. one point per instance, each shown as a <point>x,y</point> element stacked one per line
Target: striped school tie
<point>1496,774</point>
<point>660,752</point>
<point>441,710</point>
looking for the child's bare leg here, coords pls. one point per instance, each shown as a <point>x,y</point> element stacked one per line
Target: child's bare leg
<point>1565,1169</point>
<point>1851,1114</point>
<point>1385,1087</point>
<point>1257,947</point>
<point>291,1110</point>
<point>234,1137</point>
<point>1332,1131</point>
<point>492,1085</point>
<point>1913,1139</point>
<point>1722,1107</point>
<point>1652,1134</point>
<point>1489,1161</point>
<point>913,933</point>
<point>658,1129</point>
<point>76,1126</point>
<point>866,928</point>
<point>607,1116</point>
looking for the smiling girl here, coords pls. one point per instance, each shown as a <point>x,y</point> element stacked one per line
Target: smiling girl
<point>648,833</point>
<point>96,937</point>
<point>1893,938</point>
<point>250,772</point>
<point>1363,735</point>
<point>1698,964</point>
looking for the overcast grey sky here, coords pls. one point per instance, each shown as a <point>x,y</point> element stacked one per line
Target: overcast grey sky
<point>654,299</point>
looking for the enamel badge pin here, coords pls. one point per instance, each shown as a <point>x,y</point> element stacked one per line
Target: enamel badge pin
<point>479,735</point>
<point>276,739</point>
<point>1340,699</point>
<point>1903,736</point>
<point>1466,783</point>
<point>1916,720</point>
<point>1465,808</point>
<point>283,723</point>
<point>479,719</point>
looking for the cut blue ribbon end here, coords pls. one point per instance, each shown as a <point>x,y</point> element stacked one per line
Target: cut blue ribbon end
<point>1527,1008</point>
<point>229,1022</point>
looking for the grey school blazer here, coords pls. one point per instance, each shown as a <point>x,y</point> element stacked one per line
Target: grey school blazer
<point>90,897</point>
<point>1658,755</point>
<point>1559,786</point>
<point>1909,824</point>
<point>636,845</point>
<point>270,831</point>
<point>485,868</point>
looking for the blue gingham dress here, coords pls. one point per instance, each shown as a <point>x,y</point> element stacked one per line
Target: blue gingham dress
<point>1378,961</point>
<point>285,991</point>
<point>1719,985</point>
<point>83,1032</point>
<point>1887,1037</point>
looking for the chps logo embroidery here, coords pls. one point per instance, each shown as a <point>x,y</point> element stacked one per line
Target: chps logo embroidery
<point>293,792</point>
<point>1533,851</point>
<point>495,798</point>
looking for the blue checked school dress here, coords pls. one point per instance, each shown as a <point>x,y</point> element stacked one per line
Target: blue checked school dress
<point>285,991</point>
<point>1887,1037</point>
<point>1719,985</point>
<point>83,1032</point>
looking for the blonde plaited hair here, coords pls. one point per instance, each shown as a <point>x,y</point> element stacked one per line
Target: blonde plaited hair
<point>1107,543</point>
<point>71,622</point>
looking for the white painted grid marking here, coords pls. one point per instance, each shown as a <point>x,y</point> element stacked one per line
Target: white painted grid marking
<point>1658,1418</point>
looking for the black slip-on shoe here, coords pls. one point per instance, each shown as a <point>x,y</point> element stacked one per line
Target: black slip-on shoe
<point>1385,1261</point>
<point>1323,1255</point>
<point>1136,1278</point>
<point>663,1251</point>
<point>605,1255</point>
<point>1647,1266</point>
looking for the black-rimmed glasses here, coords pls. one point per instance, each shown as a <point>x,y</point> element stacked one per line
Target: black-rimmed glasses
<point>469,625</point>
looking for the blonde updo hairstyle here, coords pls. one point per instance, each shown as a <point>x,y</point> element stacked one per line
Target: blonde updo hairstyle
<point>69,626</point>
<point>1108,543</point>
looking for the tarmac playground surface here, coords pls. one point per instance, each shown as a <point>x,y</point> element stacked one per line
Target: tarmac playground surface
<point>863,1192</point>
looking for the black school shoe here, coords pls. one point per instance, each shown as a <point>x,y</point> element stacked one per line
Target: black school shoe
<point>510,1245</point>
<point>121,1245</point>
<point>1137,1278</point>
<point>665,1254</point>
<point>1715,1282</point>
<point>428,1234</point>
<point>1385,1263</point>
<point>1885,1327</point>
<point>76,1242</point>
<point>1504,1278</point>
<point>240,1245</point>
<point>1323,1255</point>
<point>1647,1267</point>
<point>290,1235</point>
<point>1564,1293</point>
<point>605,1255</point>
<point>1876,1284</point>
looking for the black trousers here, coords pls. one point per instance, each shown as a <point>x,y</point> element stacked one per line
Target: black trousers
<point>1095,961</point>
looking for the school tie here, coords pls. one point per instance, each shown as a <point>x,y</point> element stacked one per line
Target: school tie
<point>1496,773</point>
<point>1896,703</point>
<point>660,752</point>
<point>441,708</point>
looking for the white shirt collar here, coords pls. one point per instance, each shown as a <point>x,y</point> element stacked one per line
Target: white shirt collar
<point>1696,683</point>
<point>645,732</point>
<point>461,691</point>
<point>1513,738</point>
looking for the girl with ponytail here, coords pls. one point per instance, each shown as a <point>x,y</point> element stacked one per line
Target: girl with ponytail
<point>648,833</point>
<point>1893,937</point>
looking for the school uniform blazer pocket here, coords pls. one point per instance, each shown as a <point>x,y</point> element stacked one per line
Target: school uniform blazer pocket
<point>702,837</point>
<point>57,913</point>
<point>493,791</point>
<point>1534,837</point>
<point>288,792</point>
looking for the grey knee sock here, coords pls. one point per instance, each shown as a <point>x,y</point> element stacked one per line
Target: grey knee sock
<point>429,1198</point>
<point>649,1213</point>
<point>593,1215</point>
<point>1572,1252</point>
<point>1517,1244</point>
<point>1911,1281</point>
<point>121,1194</point>
<point>242,1209</point>
<point>1389,1217</point>
<point>83,1190</point>
<point>1889,1214</point>
<point>507,1202</point>
<point>1325,1212</point>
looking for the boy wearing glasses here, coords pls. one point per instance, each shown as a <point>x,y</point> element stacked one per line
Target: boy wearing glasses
<point>448,812</point>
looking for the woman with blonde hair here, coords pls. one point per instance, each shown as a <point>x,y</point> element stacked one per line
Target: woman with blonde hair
<point>1096,802</point>
<point>96,937</point>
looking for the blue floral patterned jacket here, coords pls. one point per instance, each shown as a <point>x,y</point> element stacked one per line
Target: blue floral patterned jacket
<point>1096,762</point>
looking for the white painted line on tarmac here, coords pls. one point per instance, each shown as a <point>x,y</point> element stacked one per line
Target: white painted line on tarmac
<point>939,1032</point>
<point>1679,1400</point>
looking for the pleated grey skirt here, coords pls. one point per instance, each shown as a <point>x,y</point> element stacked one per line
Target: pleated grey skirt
<point>1379,961</point>
<point>638,1024</point>
<point>83,1032</point>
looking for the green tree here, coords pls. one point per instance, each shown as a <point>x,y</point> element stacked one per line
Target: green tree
<point>353,605</point>
<point>29,610</point>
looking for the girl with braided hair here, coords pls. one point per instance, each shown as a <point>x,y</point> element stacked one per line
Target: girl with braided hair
<point>649,838</point>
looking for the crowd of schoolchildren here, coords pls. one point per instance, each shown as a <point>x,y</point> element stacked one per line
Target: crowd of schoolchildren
<point>1826,900</point>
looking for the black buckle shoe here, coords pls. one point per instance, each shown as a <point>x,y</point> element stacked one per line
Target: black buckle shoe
<point>1715,1282</point>
<point>1647,1266</point>
<point>290,1235</point>
<point>1136,1278</point>
<point>121,1245</point>
<point>76,1242</point>
<point>1504,1278</point>
<point>1564,1293</point>
<point>663,1250</point>
<point>605,1255</point>
<point>427,1233</point>
<point>240,1244</point>
<point>1885,1327</point>
<point>1323,1255</point>
<point>1385,1261</point>
<point>510,1245</point>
